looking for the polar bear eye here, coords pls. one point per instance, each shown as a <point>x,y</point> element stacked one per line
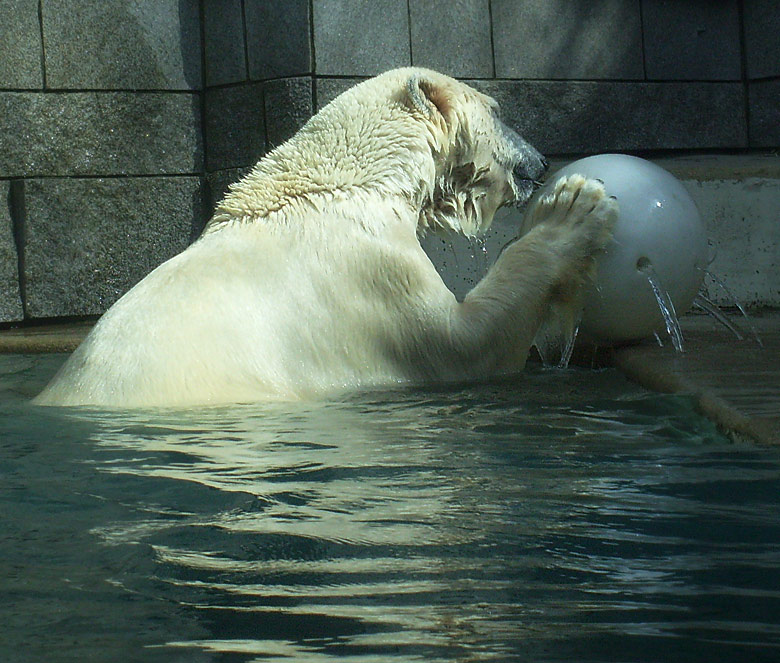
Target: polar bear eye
<point>484,182</point>
<point>482,179</point>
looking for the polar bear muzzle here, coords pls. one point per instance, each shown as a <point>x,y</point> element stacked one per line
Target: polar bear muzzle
<point>528,165</point>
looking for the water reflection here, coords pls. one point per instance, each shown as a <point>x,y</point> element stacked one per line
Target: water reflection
<point>560,516</point>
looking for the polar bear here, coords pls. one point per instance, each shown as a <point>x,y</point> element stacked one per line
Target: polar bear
<point>310,279</point>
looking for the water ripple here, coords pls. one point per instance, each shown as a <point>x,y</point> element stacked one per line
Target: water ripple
<point>564,516</point>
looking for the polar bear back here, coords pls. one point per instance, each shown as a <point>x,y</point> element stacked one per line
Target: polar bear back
<point>251,312</point>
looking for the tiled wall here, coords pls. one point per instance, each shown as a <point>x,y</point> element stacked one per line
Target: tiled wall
<point>121,122</point>
<point>101,148</point>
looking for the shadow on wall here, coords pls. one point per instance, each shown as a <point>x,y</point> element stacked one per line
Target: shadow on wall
<point>11,291</point>
<point>109,160</point>
<point>600,39</point>
<point>193,73</point>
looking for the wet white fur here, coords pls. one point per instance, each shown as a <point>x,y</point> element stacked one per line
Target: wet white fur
<point>310,277</point>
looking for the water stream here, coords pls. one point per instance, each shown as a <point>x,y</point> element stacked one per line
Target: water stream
<point>735,302</point>
<point>555,347</point>
<point>555,344</point>
<point>479,255</point>
<point>665,305</point>
<point>710,307</point>
<point>702,302</point>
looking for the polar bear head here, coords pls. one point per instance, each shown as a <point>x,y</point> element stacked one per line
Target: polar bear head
<point>481,164</point>
<point>463,161</point>
<point>411,133</point>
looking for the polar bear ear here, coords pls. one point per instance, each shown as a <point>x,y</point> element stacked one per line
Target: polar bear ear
<point>427,97</point>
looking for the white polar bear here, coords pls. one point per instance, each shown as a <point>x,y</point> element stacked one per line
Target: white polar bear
<point>310,277</point>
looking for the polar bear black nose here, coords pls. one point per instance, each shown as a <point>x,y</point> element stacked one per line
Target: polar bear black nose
<point>530,168</point>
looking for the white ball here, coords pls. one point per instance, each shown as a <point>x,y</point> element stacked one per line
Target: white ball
<point>659,228</point>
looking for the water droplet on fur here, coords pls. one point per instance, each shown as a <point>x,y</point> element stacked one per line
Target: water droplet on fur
<point>479,256</point>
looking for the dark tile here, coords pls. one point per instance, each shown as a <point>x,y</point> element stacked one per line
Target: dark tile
<point>99,133</point>
<point>452,36</point>
<point>278,38</point>
<point>90,240</point>
<point>235,126</point>
<point>589,117</point>
<point>762,44</point>
<point>327,89</point>
<point>144,45</point>
<point>223,22</point>
<point>10,296</point>
<point>360,37</point>
<point>692,40</point>
<point>20,45</point>
<point>561,39</point>
<point>764,114</point>
<point>288,106</point>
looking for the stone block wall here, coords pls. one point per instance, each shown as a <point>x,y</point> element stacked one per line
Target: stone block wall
<point>259,83</point>
<point>101,149</point>
<point>121,123</point>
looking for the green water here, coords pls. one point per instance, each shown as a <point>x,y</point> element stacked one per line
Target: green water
<point>556,516</point>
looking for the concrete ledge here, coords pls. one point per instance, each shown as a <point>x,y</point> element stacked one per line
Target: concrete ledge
<point>46,338</point>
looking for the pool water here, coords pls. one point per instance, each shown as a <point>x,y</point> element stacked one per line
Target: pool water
<point>554,516</point>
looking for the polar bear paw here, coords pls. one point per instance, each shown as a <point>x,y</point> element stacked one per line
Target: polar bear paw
<point>574,222</point>
<point>579,212</point>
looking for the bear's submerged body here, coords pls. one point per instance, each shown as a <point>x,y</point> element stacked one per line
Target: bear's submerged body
<point>310,278</point>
